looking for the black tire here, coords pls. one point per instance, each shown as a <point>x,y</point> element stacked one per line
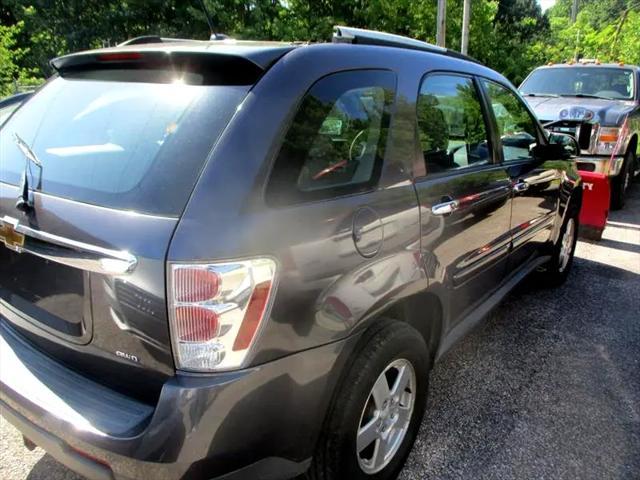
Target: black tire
<point>336,457</point>
<point>555,272</point>
<point>621,182</point>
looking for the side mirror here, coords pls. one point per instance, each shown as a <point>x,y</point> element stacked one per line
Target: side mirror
<point>560,147</point>
<point>568,142</point>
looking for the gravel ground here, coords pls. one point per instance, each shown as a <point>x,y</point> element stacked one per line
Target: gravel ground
<point>547,387</point>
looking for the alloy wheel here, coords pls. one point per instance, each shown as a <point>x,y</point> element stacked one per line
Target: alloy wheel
<point>567,245</point>
<point>386,416</point>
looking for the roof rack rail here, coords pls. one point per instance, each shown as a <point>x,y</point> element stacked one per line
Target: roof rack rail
<point>151,39</point>
<point>361,36</point>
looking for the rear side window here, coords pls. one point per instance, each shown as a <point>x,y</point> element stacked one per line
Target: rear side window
<point>451,126</point>
<point>336,142</point>
<point>119,140</point>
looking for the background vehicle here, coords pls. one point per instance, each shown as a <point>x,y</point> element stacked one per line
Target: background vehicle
<point>239,260</point>
<point>600,105</point>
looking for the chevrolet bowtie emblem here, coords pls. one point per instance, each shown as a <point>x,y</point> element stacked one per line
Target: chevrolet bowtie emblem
<point>8,235</point>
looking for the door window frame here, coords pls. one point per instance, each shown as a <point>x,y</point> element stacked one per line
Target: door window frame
<point>486,100</point>
<point>493,158</point>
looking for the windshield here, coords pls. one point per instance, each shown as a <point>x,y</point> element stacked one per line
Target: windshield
<point>609,83</point>
<point>132,144</point>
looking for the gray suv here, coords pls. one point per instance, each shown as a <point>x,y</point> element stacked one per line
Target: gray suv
<point>599,104</point>
<point>240,260</point>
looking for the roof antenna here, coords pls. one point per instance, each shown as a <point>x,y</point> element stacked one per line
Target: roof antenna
<point>213,36</point>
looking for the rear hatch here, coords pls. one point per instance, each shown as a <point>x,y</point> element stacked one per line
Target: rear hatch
<point>118,140</point>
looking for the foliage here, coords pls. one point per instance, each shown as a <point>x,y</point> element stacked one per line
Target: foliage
<point>511,36</point>
<point>11,73</point>
<point>607,30</point>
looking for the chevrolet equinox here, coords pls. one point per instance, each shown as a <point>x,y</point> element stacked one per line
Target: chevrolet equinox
<point>239,260</point>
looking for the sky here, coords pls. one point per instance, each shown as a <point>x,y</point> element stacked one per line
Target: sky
<point>546,3</point>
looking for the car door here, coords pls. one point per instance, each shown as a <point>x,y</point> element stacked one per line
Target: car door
<point>536,184</point>
<point>463,193</point>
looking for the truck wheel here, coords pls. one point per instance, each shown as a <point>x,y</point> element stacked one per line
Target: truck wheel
<point>621,182</point>
<point>557,270</point>
<point>375,417</point>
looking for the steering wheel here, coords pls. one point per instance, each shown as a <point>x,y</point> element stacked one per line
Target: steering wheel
<point>363,146</point>
<point>344,163</point>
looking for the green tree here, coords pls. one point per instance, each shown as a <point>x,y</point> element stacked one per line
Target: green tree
<point>511,36</point>
<point>11,73</point>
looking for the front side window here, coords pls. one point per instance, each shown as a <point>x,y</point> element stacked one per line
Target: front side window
<point>451,126</point>
<point>336,142</point>
<point>516,126</point>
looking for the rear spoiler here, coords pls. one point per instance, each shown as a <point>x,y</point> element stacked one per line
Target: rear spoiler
<point>208,68</point>
<point>219,62</point>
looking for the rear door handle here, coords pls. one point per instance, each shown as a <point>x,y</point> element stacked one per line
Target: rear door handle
<point>520,186</point>
<point>445,208</point>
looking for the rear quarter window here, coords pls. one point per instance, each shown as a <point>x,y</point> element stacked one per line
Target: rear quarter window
<point>336,142</point>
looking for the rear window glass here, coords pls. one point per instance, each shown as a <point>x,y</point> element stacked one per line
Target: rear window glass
<point>126,144</point>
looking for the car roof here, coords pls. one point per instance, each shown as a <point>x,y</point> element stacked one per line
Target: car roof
<point>265,53</point>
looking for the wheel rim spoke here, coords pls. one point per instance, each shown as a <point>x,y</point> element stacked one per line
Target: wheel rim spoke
<point>381,392</point>
<point>367,434</point>
<point>404,415</point>
<point>380,453</point>
<point>402,382</point>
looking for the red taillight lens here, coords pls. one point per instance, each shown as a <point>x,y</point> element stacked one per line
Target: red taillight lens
<point>196,324</point>
<point>252,318</point>
<point>195,284</point>
<point>216,311</point>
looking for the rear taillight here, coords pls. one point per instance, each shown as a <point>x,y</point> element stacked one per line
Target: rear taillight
<point>217,310</point>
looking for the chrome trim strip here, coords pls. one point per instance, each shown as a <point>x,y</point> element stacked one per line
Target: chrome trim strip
<point>73,253</point>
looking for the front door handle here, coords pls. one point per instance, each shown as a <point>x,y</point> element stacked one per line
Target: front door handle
<point>520,186</point>
<point>445,208</point>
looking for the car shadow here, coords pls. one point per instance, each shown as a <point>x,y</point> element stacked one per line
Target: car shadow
<point>629,247</point>
<point>530,392</point>
<point>48,468</point>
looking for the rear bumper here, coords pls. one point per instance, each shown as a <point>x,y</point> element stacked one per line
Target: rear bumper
<point>258,423</point>
<point>600,164</point>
